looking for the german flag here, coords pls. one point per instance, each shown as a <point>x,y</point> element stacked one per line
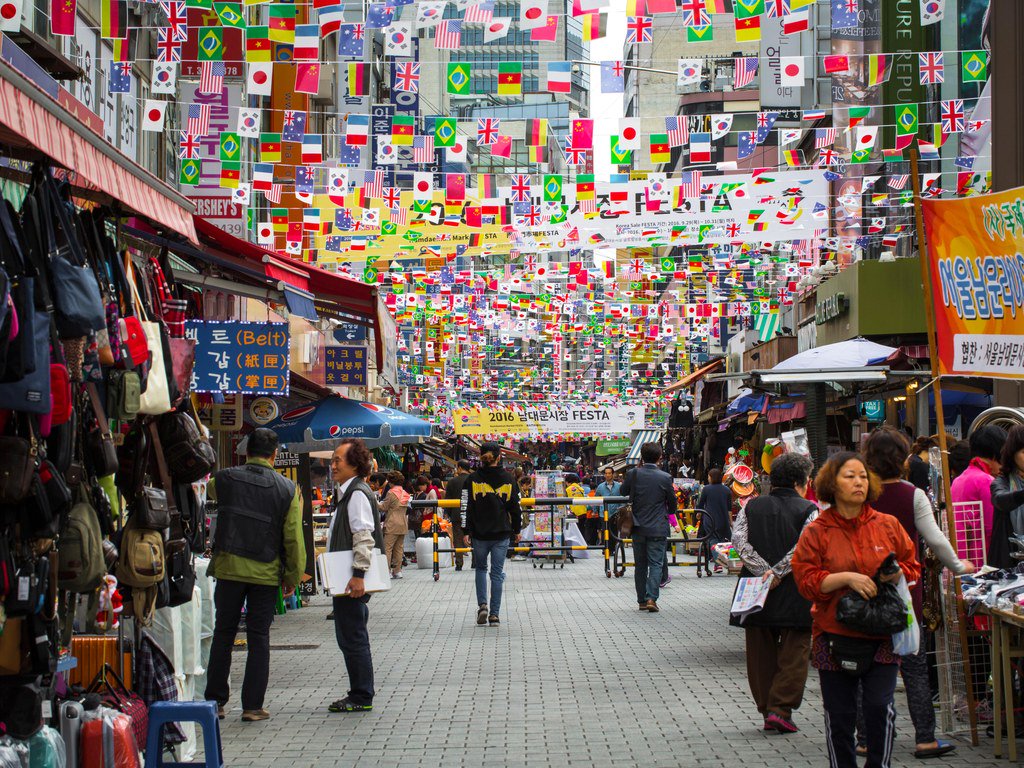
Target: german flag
<point>537,132</point>
<point>358,79</point>
<point>114,19</point>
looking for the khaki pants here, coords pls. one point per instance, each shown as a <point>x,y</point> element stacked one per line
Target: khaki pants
<point>777,661</point>
<point>393,544</point>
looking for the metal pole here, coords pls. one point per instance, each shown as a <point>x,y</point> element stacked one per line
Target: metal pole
<point>433,531</point>
<point>607,565</point>
<point>940,424</point>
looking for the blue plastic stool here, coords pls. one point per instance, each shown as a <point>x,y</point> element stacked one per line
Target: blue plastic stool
<point>202,712</point>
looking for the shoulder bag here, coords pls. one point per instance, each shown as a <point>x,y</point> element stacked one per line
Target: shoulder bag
<point>179,563</point>
<point>156,395</point>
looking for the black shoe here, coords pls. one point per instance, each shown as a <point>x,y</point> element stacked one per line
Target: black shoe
<point>493,620</point>
<point>347,705</point>
<point>458,567</point>
<point>481,614</point>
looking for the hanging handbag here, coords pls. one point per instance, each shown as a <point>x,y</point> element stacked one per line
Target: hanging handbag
<point>183,359</point>
<point>102,451</point>
<point>156,394</point>
<point>179,564</point>
<point>124,394</point>
<point>109,685</point>
<point>18,456</point>
<point>151,509</point>
<point>24,296</point>
<point>61,442</point>
<point>187,451</point>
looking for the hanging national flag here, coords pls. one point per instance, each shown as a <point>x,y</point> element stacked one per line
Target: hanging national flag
<point>380,15</point>
<point>423,149</point>
<point>532,13</point>
<point>791,71</point>
<point>486,186</point>
<point>952,116</point>
<point>230,148</point>
<point>312,149</point>
<point>229,14</point>
<point>932,68</point>
<point>795,23</point>
<point>559,77</point>
<point>188,145</point>
<point>230,175</point>
<point>445,131</point>
<point>62,17</point>
<point>211,77</point>
<point>448,35</point>
<point>406,77</point>
<point>510,77</point>
<point>620,156</point>
<point>479,13</point>
<point>553,188</point>
<point>695,14</point>
<point>906,119</point>
<point>612,77</point>
<point>167,47</point>
<point>793,157</point>
<point>629,133</point>
<point>704,34</point>
<point>293,125</point>
<point>153,115</point>
<point>748,30</point>
<point>270,147</point>
<point>262,176</point>
<point>357,129</point>
<point>502,147</point>
<point>248,122</point>
<point>423,186</point>
<point>458,78</point>
<point>878,69</point>
<point>351,38</point>
<point>744,9</point>
<point>744,71</point>
<point>307,77</point>
<point>191,172</point>
<point>583,133</point>
<point>282,22</point>
<point>259,76</point>
<point>403,128</point>
<point>496,29</point>
<point>487,130</point>
<point>595,26</point>
<point>660,150</point>
<point>113,18</point>
<point>638,29</point>
<point>974,66</point>
<point>546,33</point>
<point>824,137</point>
<point>678,130</point>
<point>257,44</point>
<point>211,44</point>
<point>358,79</point>
<point>330,18</point>
<point>398,39</point>
<point>455,187</point>
<point>307,42</point>
<point>198,119</point>
<point>700,148</point>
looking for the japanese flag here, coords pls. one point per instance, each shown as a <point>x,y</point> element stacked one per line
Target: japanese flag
<point>265,233</point>
<point>260,78</point>
<point>866,136</point>
<point>165,75</point>
<point>10,15</point>
<point>533,14</point>
<point>629,133</point>
<point>496,29</point>
<point>423,186</point>
<point>153,115</point>
<point>791,71</point>
<point>457,153</point>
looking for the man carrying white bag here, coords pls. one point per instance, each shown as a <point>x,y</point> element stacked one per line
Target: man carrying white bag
<point>354,542</point>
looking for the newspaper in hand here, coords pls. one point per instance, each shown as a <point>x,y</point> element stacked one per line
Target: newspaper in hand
<point>751,594</point>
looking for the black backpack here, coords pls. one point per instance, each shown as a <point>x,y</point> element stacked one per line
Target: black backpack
<point>188,453</point>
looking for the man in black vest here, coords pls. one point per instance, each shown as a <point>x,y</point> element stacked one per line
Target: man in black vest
<point>355,526</point>
<point>779,635</point>
<point>258,547</point>
<point>456,489</point>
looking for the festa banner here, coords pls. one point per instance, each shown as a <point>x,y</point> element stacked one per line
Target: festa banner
<point>536,421</point>
<point>240,357</point>
<point>976,256</point>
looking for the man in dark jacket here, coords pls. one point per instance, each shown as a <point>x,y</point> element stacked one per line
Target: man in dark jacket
<point>715,502</point>
<point>493,520</point>
<point>779,635</point>
<point>456,489</point>
<point>653,498</point>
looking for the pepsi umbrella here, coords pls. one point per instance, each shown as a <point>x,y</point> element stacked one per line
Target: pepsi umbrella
<point>855,353</point>
<point>322,425</point>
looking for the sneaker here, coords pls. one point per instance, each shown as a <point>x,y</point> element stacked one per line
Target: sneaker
<point>652,607</point>
<point>347,705</point>
<point>780,724</point>
<point>493,620</point>
<point>481,614</point>
<point>398,576</point>
<point>718,569</point>
<point>254,715</point>
<point>666,582</point>
<point>768,726</point>
<point>221,712</point>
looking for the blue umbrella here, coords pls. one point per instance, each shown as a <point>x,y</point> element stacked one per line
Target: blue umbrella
<point>322,425</point>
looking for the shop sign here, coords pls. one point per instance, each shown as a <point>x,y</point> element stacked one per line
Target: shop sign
<point>346,333</point>
<point>873,410</point>
<point>345,366</point>
<point>251,358</point>
<point>830,308</point>
<point>222,417</point>
<point>536,421</point>
<point>977,275</point>
<point>263,410</point>
<point>613,446</point>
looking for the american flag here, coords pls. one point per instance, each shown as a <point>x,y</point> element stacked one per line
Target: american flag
<point>448,35</point>
<point>423,149</point>
<point>198,119</point>
<point>899,182</point>
<point>481,13</point>
<point>824,137</point>
<point>678,129</point>
<point>746,69</point>
<point>399,216</point>
<point>373,184</point>
<point>211,77</point>
<point>274,193</point>
<point>407,76</point>
<point>689,185</point>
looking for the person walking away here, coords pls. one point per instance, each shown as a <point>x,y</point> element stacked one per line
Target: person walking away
<point>1008,499</point>
<point>609,486</point>
<point>421,517</point>
<point>715,502</point>
<point>393,512</point>
<point>493,520</point>
<point>886,452</point>
<point>919,471</point>
<point>355,527</point>
<point>456,489</point>
<point>778,636</point>
<point>841,552</point>
<point>258,548</point>
<point>653,498</point>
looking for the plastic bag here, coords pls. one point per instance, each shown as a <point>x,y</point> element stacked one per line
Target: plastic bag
<point>906,642</point>
<point>107,740</point>
<point>13,753</point>
<point>884,614</point>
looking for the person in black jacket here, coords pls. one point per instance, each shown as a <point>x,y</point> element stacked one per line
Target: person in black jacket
<point>456,489</point>
<point>493,520</point>
<point>715,502</point>
<point>653,498</point>
<point>779,635</point>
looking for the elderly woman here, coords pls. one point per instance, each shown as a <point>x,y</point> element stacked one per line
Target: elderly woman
<point>842,552</point>
<point>779,635</point>
<point>886,452</point>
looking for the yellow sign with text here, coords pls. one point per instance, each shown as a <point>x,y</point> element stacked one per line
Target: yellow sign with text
<point>488,421</point>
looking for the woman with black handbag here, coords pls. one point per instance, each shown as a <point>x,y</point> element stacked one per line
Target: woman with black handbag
<point>846,552</point>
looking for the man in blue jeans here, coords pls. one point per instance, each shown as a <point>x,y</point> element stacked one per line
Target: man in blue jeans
<point>493,521</point>
<point>653,498</point>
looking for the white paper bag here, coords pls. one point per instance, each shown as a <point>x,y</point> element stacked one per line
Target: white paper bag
<point>334,569</point>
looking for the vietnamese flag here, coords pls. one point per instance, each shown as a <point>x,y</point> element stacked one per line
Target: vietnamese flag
<point>62,17</point>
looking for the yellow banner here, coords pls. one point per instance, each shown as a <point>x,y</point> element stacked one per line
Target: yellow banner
<point>488,421</point>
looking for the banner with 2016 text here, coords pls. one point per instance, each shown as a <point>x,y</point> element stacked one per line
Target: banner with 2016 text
<point>976,253</point>
<point>530,421</point>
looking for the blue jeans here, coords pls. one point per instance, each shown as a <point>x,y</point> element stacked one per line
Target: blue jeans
<point>649,559</point>
<point>498,550</point>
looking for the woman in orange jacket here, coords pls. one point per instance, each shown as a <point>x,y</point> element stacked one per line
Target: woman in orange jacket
<point>838,553</point>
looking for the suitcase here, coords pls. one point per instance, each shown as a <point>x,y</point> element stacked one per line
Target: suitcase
<point>108,743</point>
<point>71,730</point>
<point>92,652</point>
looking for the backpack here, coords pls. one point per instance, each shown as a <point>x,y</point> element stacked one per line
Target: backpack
<point>141,561</point>
<point>188,453</point>
<point>82,566</point>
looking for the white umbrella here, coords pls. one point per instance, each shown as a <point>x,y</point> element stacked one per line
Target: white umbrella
<point>855,353</point>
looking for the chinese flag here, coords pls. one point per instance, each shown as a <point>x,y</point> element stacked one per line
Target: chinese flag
<point>62,17</point>
<point>307,78</point>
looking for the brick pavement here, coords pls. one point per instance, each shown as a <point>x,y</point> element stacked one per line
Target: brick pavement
<point>575,675</point>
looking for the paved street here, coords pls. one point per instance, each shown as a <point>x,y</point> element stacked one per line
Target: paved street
<point>574,676</point>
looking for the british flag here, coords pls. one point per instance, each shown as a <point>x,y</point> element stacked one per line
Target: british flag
<point>423,149</point>
<point>695,14</point>
<point>198,119</point>
<point>407,77</point>
<point>188,146</point>
<point>745,71</point>
<point>953,116</point>
<point>177,18</point>
<point>777,8</point>
<point>392,197</point>
<point>487,130</point>
<point>932,67</point>
<point>678,129</point>
<point>168,47</point>
<point>520,188</point>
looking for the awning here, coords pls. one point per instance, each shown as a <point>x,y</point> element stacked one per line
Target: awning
<point>300,302</point>
<point>694,377</point>
<point>643,437</point>
<point>31,120</point>
<point>787,412</point>
<point>746,401</point>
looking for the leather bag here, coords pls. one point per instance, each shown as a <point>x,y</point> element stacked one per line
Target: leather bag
<point>151,509</point>
<point>115,694</point>
<point>186,450</point>
<point>18,456</point>
<point>102,451</point>
<point>179,562</point>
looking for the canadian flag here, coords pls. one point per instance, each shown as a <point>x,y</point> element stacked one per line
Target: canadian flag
<point>629,133</point>
<point>153,115</point>
<point>791,71</point>
<point>260,78</point>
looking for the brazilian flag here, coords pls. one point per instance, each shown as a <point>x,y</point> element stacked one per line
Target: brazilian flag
<point>230,147</point>
<point>230,14</point>
<point>703,34</point>
<point>458,78</point>
<point>445,131</point>
<point>191,171</point>
<point>553,188</point>
<point>211,44</point>
<point>906,119</point>
<point>620,157</point>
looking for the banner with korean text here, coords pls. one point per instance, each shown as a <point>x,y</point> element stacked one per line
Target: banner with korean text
<point>976,253</point>
<point>538,421</point>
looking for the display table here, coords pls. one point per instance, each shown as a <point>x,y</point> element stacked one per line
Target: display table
<point>1004,651</point>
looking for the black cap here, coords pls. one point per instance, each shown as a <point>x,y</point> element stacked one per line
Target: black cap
<point>490,447</point>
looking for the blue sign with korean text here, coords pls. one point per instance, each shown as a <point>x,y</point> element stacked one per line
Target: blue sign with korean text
<point>246,357</point>
<point>345,366</point>
<point>349,332</point>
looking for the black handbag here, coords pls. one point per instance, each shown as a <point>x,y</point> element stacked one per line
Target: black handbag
<point>18,457</point>
<point>186,450</point>
<point>102,452</point>
<point>179,563</point>
<point>151,509</point>
<point>884,614</point>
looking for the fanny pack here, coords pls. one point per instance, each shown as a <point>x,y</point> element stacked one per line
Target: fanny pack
<point>854,655</point>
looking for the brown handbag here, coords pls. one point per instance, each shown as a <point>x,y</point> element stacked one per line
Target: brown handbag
<point>183,359</point>
<point>625,517</point>
<point>18,458</point>
<point>101,442</point>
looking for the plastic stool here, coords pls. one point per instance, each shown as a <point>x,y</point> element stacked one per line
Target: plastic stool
<point>202,712</point>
